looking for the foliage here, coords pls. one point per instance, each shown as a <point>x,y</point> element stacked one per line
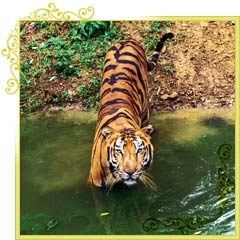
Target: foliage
<point>55,55</point>
<point>62,51</point>
<point>89,29</point>
<point>90,93</point>
<point>152,36</point>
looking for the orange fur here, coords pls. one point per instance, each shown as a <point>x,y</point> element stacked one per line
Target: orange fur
<point>123,114</point>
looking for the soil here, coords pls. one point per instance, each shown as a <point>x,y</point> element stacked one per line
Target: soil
<point>201,75</point>
<point>195,69</point>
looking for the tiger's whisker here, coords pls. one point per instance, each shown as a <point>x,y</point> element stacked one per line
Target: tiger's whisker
<point>148,182</point>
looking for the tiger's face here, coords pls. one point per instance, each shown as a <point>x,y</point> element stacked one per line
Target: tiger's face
<point>129,153</point>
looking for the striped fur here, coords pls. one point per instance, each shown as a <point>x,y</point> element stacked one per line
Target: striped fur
<point>122,150</point>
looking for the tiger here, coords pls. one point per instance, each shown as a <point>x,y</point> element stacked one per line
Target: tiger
<point>122,150</point>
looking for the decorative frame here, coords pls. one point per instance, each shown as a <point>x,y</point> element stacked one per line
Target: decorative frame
<point>227,184</point>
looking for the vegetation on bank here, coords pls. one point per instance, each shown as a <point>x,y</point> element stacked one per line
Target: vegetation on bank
<point>61,62</point>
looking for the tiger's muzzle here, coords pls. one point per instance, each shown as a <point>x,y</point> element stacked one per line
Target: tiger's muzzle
<point>130,177</point>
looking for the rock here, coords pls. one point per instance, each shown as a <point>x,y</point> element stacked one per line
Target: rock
<point>70,92</point>
<point>165,97</point>
<point>52,78</point>
<point>74,85</point>
<point>173,95</point>
<point>158,91</point>
<point>193,104</point>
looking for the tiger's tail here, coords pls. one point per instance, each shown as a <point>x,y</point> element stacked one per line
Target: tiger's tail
<point>155,56</point>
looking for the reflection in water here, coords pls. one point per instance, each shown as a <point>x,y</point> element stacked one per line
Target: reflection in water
<point>55,161</point>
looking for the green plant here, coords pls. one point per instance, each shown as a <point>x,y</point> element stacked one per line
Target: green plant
<point>40,24</point>
<point>89,29</point>
<point>181,37</point>
<point>152,36</point>
<point>66,96</point>
<point>167,68</point>
<point>90,93</point>
<point>65,51</point>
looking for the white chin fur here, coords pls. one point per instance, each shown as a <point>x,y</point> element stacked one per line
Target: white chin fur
<point>130,182</point>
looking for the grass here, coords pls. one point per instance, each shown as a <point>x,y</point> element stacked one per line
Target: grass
<point>61,62</point>
<point>90,93</point>
<point>152,37</point>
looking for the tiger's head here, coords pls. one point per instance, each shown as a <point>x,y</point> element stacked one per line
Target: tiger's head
<point>129,154</point>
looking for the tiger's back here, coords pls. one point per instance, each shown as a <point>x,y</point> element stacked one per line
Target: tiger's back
<point>122,148</point>
<point>124,84</point>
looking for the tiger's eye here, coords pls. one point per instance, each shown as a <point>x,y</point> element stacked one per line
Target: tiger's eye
<point>139,150</point>
<point>118,151</point>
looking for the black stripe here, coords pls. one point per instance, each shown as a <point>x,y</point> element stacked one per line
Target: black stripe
<point>136,47</point>
<point>112,102</point>
<point>130,70</point>
<point>110,120</point>
<point>108,90</point>
<point>109,67</point>
<point>147,165</point>
<point>108,154</point>
<point>129,43</point>
<point>150,151</point>
<point>115,77</point>
<point>133,45</point>
<point>107,113</point>
<point>106,61</point>
<point>124,91</point>
<point>112,169</point>
<point>132,55</point>
<point>130,115</point>
<point>113,48</point>
<point>135,82</point>
<point>133,103</point>
<point>141,95</point>
<point>130,82</point>
<point>139,74</point>
<point>135,106</point>
<point>150,160</point>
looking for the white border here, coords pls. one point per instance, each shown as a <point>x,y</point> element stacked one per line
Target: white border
<point>13,10</point>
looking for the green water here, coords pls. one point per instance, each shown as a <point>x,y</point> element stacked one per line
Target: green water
<point>194,175</point>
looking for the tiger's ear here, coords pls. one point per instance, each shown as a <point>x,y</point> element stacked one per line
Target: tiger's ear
<point>107,132</point>
<point>148,130</point>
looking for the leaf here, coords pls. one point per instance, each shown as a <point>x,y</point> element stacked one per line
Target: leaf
<point>103,214</point>
<point>52,224</point>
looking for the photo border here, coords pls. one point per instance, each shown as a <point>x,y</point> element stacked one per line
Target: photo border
<point>53,13</point>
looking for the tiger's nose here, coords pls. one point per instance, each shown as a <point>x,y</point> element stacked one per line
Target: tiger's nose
<point>130,172</point>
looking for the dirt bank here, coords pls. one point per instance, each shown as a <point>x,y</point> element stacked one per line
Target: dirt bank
<point>195,70</point>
